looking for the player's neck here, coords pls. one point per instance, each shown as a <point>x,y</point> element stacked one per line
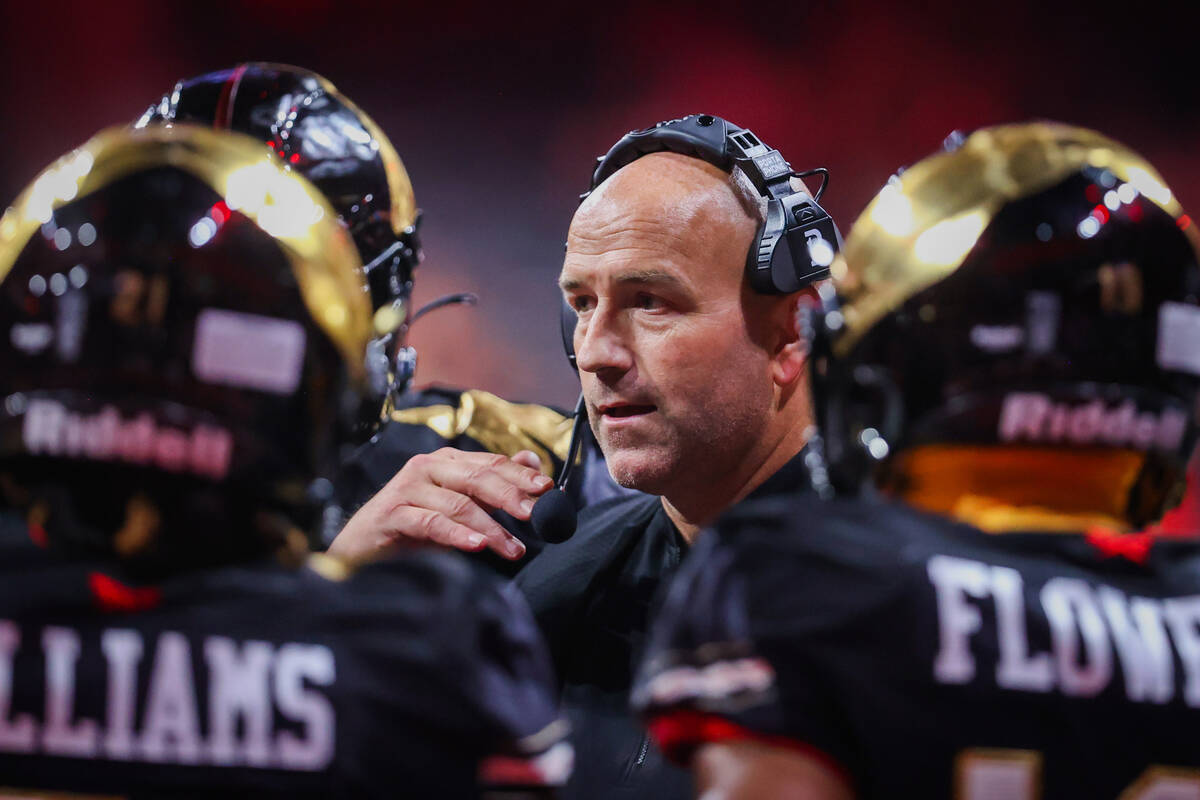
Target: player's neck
<point>699,504</point>
<point>1006,489</point>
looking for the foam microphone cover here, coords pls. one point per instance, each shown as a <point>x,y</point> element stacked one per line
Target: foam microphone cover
<point>553,516</point>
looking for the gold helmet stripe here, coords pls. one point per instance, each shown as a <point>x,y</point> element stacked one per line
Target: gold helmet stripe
<point>922,224</point>
<point>251,180</point>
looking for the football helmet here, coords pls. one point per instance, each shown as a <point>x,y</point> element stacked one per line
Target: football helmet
<point>320,133</point>
<point>185,323</point>
<point>1031,286</point>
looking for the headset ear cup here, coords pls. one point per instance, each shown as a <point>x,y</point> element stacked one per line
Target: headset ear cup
<point>567,320</point>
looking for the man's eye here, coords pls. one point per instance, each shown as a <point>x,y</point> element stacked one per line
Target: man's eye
<point>580,303</point>
<point>648,302</point>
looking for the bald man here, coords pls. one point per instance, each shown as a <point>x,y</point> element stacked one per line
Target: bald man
<point>692,380</point>
<point>696,390</point>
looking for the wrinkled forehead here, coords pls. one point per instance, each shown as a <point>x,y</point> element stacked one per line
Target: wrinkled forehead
<point>664,209</point>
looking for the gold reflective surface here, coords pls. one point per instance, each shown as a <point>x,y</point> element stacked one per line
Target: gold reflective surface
<point>922,225</point>
<point>1015,488</point>
<point>500,426</point>
<point>251,180</point>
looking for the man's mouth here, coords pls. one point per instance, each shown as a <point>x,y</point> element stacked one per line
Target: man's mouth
<point>615,411</point>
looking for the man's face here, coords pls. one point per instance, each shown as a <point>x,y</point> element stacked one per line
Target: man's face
<point>670,348</point>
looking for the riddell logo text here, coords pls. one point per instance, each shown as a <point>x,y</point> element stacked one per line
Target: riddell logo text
<point>1036,418</point>
<point>50,429</point>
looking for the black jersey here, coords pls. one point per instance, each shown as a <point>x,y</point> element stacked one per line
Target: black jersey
<point>476,421</point>
<point>925,658</point>
<point>414,677</point>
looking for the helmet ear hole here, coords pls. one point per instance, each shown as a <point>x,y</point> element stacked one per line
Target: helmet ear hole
<point>885,402</point>
<point>863,414</point>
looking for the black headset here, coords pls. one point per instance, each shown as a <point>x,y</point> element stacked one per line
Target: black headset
<point>793,248</point>
<point>797,240</point>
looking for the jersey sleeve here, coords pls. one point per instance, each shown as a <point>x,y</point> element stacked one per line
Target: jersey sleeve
<point>516,693</point>
<point>481,679</point>
<point>751,641</point>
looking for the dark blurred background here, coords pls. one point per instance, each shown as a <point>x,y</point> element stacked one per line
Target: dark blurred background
<point>498,109</point>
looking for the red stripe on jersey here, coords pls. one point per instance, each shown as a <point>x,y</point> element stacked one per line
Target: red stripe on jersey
<point>679,733</point>
<point>228,97</point>
<point>510,771</point>
<point>113,596</point>
<point>550,768</point>
<point>1133,546</point>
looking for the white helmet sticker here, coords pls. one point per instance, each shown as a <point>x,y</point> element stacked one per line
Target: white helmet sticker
<point>1179,337</point>
<point>248,351</point>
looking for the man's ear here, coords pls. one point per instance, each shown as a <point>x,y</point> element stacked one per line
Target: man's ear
<point>791,348</point>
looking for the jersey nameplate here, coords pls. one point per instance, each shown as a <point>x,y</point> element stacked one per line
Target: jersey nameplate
<point>248,686</point>
<point>1094,629</point>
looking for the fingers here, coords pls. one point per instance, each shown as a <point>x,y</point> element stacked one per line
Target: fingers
<point>528,458</point>
<point>445,497</point>
<point>454,520</point>
<point>492,480</point>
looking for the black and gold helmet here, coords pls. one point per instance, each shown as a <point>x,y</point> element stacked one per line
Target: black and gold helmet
<point>318,132</point>
<point>1035,287</point>
<point>184,324</point>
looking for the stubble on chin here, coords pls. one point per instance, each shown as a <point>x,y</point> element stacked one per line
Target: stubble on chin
<point>640,466</point>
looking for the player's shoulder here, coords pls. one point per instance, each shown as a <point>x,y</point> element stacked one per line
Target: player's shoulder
<point>321,599</point>
<point>778,575</point>
<point>429,572</point>
<point>477,627</point>
<point>798,564</point>
<point>424,584</point>
<point>860,534</point>
<point>468,621</point>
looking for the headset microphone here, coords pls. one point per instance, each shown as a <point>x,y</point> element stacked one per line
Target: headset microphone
<point>554,514</point>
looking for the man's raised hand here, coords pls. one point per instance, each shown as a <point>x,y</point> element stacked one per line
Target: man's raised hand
<point>445,497</point>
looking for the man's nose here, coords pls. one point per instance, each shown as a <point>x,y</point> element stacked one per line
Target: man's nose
<point>600,344</point>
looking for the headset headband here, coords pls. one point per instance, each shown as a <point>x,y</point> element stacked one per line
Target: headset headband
<point>798,239</point>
